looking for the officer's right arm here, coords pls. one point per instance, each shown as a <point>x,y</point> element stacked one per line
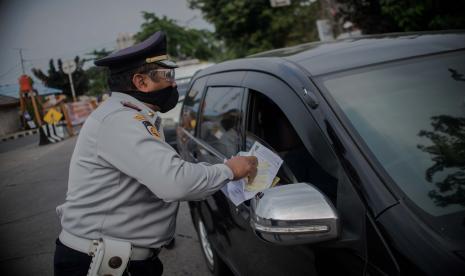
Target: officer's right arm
<point>126,144</point>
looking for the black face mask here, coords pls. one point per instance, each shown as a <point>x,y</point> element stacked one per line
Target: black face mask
<point>166,99</point>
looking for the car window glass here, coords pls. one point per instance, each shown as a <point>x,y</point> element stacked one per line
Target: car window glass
<point>221,119</point>
<point>268,125</point>
<point>191,106</point>
<point>411,115</point>
<point>182,87</point>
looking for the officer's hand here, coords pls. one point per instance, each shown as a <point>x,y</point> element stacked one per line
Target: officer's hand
<point>243,166</point>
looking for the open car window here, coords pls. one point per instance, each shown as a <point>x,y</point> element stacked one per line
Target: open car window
<point>285,174</point>
<point>268,124</point>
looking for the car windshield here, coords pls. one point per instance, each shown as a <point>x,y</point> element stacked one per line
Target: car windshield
<point>411,115</point>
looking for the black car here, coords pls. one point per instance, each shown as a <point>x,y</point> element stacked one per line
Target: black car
<point>371,131</point>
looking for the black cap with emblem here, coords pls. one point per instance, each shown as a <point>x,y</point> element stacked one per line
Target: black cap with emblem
<point>151,50</point>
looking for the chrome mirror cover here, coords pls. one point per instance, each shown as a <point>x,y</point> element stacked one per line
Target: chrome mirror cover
<point>294,214</point>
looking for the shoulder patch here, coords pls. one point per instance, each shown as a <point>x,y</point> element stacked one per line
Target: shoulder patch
<point>151,129</point>
<point>130,105</point>
<point>139,117</point>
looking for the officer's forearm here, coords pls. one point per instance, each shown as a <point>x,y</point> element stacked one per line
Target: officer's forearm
<point>192,181</point>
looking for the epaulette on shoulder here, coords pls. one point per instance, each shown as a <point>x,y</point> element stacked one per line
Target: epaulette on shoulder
<point>131,105</point>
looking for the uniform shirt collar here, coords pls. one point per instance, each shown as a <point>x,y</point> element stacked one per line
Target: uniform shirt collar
<point>145,110</point>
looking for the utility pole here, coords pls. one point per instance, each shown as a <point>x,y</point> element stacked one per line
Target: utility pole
<point>69,66</point>
<point>21,58</point>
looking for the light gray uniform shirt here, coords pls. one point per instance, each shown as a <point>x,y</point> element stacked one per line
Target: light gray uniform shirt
<point>125,181</point>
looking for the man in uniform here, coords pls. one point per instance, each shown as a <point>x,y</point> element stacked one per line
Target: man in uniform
<point>125,181</point>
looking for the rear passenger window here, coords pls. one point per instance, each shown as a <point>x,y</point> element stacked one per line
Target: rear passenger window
<point>268,124</point>
<point>221,119</point>
<point>191,106</point>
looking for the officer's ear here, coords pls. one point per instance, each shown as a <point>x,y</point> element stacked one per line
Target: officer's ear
<point>140,82</point>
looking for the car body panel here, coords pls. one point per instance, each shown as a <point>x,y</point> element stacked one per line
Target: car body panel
<point>322,58</point>
<point>380,234</point>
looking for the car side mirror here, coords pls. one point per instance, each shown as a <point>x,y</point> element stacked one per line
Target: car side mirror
<point>294,214</point>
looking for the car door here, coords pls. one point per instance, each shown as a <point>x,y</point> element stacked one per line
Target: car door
<point>219,136</point>
<point>275,116</point>
<point>278,118</point>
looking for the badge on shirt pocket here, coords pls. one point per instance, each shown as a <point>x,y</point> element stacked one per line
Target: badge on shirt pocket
<point>139,117</point>
<point>151,129</point>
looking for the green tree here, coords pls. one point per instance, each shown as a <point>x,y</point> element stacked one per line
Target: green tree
<point>248,27</point>
<point>97,75</point>
<point>59,80</point>
<point>381,16</point>
<point>183,43</point>
<point>367,15</point>
<point>420,15</point>
<point>448,154</point>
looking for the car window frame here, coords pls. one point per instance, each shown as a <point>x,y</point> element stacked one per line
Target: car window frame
<point>272,88</point>
<point>202,94</point>
<point>248,106</point>
<point>230,79</point>
<point>310,133</point>
<point>204,143</point>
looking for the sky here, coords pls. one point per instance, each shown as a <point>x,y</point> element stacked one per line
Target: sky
<point>47,29</point>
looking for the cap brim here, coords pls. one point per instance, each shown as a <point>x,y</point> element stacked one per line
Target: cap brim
<point>167,63</point>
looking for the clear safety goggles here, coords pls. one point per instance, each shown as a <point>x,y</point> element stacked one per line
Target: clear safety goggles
<point>162,73</point>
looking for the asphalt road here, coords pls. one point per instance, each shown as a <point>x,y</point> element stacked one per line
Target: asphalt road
<point>33,182</point>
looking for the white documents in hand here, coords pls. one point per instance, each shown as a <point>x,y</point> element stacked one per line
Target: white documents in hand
<point>268,165</point>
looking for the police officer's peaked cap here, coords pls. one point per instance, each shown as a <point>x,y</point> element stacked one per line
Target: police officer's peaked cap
<point>151,50</point>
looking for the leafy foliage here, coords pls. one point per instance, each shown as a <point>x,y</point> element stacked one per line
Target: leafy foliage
<point>419,15</point>
<point>183,43</point>
<point>249,27</point>
<point>97,75</point>
<point>380,16</point>
<point>59,80</point>
<point>448,151</point>
<point>366,15</point>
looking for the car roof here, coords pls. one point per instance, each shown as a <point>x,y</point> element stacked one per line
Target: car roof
<point>326,57</point>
